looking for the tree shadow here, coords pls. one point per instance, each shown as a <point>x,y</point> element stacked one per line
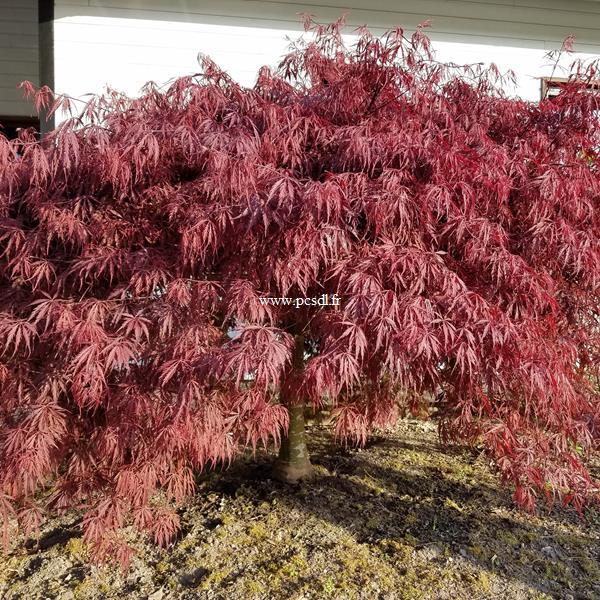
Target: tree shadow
<point>54,537</point>
<point>403,490</point>
<point>444,504</point>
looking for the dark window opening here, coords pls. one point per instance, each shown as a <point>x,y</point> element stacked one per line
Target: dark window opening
<point>9,126</point>
<point>552,86</point>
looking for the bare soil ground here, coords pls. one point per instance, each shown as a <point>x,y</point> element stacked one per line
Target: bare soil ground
<point>401,519</point>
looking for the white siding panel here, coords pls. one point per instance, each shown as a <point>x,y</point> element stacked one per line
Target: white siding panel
<point>91,53</point>
<point>18,54</point>
<point>10,55</point>
<point>128,42</point>
<point>18,4</point>
<point>28,28</point>
<point>15,108</point>
<point>19,68</point>
<point>23,13</point>
<point>18,38</point>
<point>523,12</point>
<point>125,43</point>
<point>497,19</point>
<point>12,104</point>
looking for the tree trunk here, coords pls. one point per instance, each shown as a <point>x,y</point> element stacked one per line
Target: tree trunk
<point>293,463</point>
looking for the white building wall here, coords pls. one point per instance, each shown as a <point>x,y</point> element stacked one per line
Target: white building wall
<point>125,43</point>
<point>18,53</point>
<point>528,21</point>
<point>92,52</point>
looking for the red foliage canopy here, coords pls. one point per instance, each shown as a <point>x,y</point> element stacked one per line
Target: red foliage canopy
<point>460,227</point>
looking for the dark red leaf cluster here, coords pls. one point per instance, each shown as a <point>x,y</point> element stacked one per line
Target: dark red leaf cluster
<point>460,228</point>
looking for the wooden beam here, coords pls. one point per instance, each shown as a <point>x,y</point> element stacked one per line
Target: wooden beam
<point>46,54</point>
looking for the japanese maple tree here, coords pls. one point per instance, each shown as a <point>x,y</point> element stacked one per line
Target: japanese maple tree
<point>459,227</point>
